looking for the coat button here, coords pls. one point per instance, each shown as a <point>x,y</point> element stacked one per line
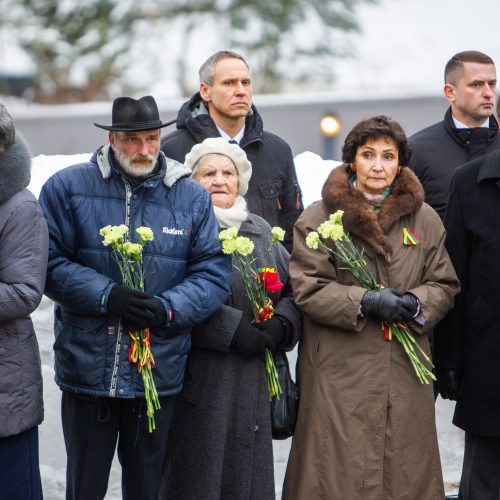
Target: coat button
<point>121,391</point>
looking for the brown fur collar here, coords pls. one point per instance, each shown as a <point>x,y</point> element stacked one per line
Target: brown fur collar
<point>359,217</point>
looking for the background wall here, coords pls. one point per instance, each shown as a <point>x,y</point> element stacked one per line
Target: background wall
<point>69,129</point>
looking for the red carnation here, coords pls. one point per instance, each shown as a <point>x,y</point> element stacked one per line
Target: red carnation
<point>271,281</point>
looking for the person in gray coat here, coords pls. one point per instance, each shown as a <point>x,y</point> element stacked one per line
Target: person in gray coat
<point>23,265</point>
<point>220,444</point>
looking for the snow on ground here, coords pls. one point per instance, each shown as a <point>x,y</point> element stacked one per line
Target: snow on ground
<point>312,172</point>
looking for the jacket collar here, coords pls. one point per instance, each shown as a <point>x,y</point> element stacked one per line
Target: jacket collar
<point>249,228</point>
<point>490,167</point>
<point>468,136</point>
<point>407,196</point>
<point>171,170</point>
<point>194,117</point>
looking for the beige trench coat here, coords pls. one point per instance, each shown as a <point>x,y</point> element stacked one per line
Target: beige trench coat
<point>366,425</point>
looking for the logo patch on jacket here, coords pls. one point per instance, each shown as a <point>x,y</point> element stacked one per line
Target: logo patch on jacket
<point>176,232</point>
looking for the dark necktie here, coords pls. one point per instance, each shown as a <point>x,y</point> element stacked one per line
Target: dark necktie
<point>232,141</point>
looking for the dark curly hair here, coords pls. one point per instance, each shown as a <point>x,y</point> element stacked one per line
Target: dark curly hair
<point>370,129</point>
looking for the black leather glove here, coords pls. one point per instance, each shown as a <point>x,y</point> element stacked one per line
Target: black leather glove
<point>249,340</point>
<point>385,304</point>
<point>410,305</point>
<point>137,309</point>
<point>448,382</point>
<point>276,329</point>
<point>156,308</point>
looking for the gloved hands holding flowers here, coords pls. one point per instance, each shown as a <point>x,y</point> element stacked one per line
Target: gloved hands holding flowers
<point>137,309</point>
<point>266,332</point>
<point>389,305</point>
<point>392,307</point>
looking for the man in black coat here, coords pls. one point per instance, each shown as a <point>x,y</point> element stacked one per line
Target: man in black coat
<point>469,129</point>
<point>467,341</point>
<point>223,107</point>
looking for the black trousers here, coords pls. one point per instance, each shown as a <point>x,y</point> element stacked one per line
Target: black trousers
<point>481,469</point>
<point>92,428</point>
<point>19,467</point>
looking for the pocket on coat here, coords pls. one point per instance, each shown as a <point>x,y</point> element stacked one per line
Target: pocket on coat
<point>196,373</point>
<point>482,318</point>
<point>80,348</point>
<point>10,365</point>
<point>318,349</point>
<point>269,198</point>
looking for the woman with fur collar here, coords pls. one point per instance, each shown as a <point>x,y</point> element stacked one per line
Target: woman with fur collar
<point>24,246</point>
<point>366,425</point>
<point>220,442</point>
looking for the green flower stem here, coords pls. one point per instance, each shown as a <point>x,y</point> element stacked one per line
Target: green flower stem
<point>408,342</point>
<point>152,401</point>
<point>273,383</point>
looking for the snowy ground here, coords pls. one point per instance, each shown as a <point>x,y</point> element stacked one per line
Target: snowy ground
<point>312,172</point>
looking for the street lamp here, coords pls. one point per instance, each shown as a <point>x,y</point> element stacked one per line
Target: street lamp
<point>330,129</point>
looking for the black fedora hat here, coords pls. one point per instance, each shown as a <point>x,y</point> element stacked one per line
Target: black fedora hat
<point>131,115</point>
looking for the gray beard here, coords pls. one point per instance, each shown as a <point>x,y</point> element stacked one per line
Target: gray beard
<point>135,169</point>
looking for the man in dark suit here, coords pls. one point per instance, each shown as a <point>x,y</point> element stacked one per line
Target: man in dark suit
<point>469,129</point>
<point>223,108</point>
<point>467,341</point>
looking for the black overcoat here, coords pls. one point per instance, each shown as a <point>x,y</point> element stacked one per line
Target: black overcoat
<point>468,339</point>
<point>273,190</point>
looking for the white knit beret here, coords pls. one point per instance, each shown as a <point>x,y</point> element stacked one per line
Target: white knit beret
<point>219,145</point>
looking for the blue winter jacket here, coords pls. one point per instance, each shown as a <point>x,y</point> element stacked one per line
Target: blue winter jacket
<point>184,267</point>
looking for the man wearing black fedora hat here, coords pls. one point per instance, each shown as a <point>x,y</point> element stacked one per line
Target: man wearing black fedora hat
<point>186,277</point>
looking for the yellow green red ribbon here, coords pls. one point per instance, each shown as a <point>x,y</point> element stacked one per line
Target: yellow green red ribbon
<point>139,350</point>
<point>387,331</point>
<point>410,238</point>
<point>265,311</point>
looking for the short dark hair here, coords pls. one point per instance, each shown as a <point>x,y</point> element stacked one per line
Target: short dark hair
<point>454,67</point>
<point>370,129</point>
<point>207,69</point>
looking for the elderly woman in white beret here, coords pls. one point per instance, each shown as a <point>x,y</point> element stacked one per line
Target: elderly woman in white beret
<point>221,444</point>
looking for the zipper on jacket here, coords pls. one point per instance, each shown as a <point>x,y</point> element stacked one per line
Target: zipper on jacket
<point>114,374</point>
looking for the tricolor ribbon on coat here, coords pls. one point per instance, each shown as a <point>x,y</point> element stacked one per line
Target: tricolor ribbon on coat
<point>410,238</point>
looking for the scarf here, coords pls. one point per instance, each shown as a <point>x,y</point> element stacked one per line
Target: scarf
<point>233,216</point>
<point>375,200</point>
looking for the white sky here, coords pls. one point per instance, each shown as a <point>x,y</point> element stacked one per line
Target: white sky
<point>404,44</point>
